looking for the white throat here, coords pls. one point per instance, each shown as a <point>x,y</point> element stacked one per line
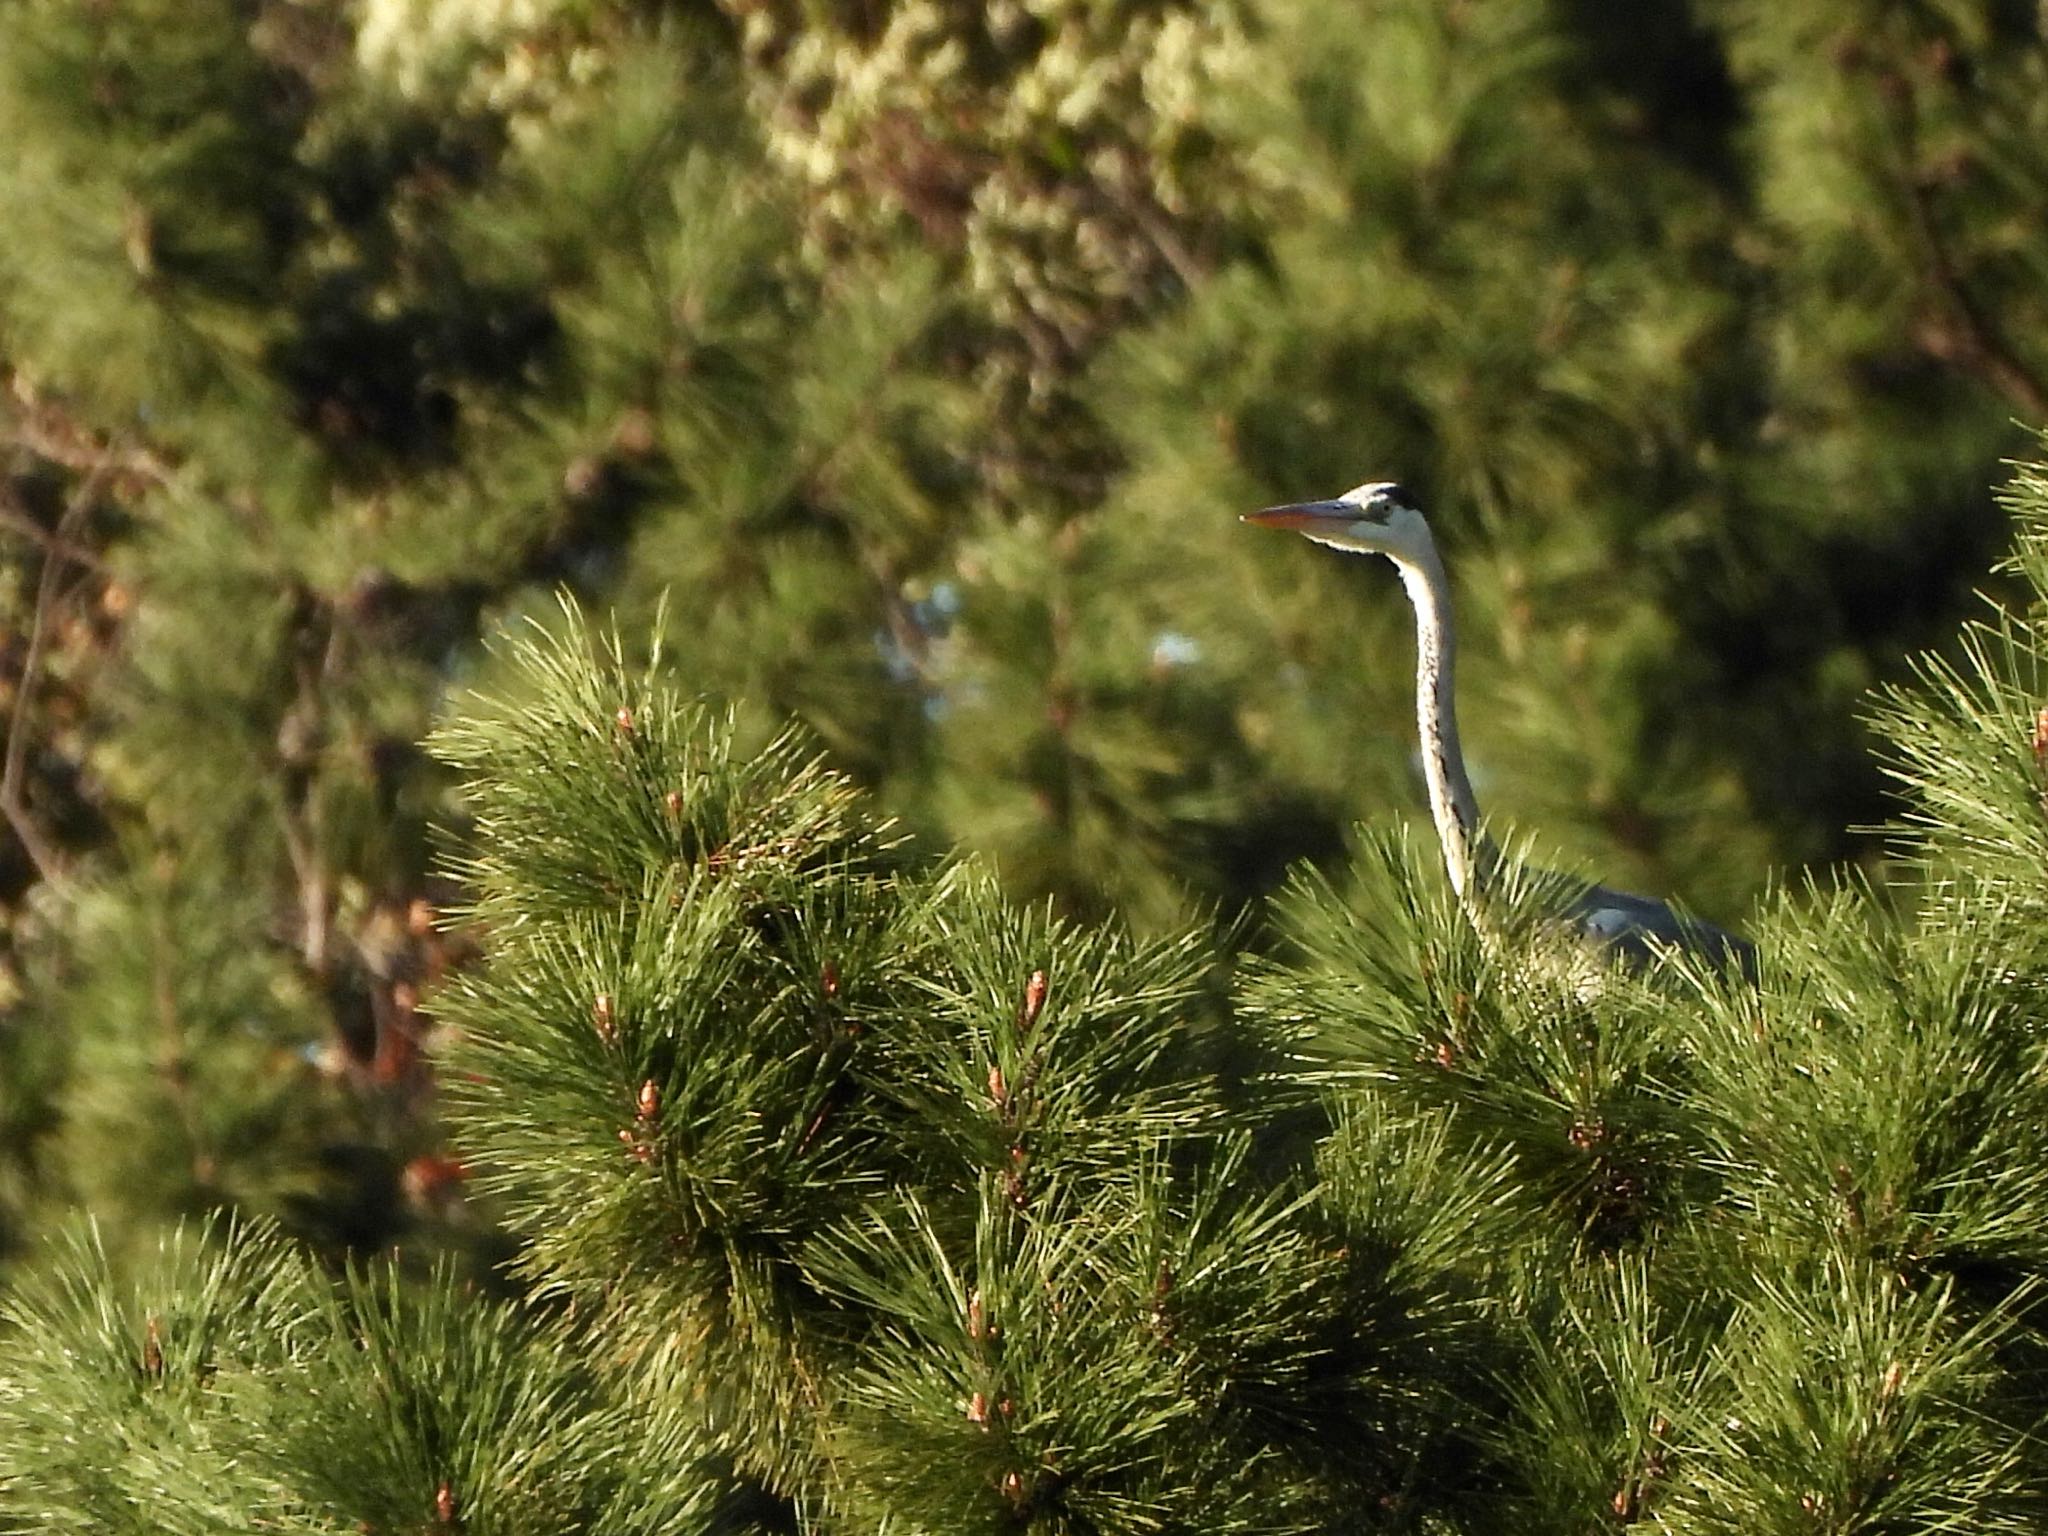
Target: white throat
<point>1452,805</point>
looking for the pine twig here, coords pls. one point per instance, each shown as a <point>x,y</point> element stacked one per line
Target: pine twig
<point>1970,340</point>
<point>41,851</point>
<point>16,519</point>
<point>50,434</point>
<point>173,1065</point>
<point>300,818</point>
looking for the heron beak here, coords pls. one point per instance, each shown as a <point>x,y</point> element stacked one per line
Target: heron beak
<point>1303,515</point>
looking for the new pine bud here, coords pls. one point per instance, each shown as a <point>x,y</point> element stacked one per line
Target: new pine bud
<point>1034,1001</point>
<point>153,1348</point>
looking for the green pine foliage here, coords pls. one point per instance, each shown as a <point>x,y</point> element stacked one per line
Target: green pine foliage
<point>225,1384</point>
<point>223,1119</point>
<point>910,1045</point>
<point>765,1030</point>
<point>110,1415</point>
<point>851,1196</point>
<point>923,357</point>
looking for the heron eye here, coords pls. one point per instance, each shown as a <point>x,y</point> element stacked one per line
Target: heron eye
<point>1395,496</point>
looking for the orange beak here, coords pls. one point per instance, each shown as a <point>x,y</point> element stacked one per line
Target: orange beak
<point>1302,515</point>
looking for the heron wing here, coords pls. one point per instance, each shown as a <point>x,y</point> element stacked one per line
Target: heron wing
<point>1636,927</point>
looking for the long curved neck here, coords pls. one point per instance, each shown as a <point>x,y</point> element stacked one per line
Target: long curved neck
<point>1468,855</point>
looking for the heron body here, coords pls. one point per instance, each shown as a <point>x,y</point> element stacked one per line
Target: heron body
<point>1380,518</point>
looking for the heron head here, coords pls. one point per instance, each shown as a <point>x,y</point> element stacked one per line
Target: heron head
<point>1377,518</point>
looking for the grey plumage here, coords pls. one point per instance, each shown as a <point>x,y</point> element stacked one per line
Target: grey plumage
<point>1633,928</point>
<point>1380,518</point>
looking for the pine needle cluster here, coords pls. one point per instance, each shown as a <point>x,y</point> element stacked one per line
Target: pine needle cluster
<point>923,1208</point>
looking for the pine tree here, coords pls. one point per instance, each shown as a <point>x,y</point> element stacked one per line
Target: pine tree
<point>851,1195</point>
<point>899,370</point>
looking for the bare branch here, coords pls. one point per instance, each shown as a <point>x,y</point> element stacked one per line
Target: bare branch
<point>49,433</point>
<point>41,851</point>
<point>15,517</point>
<point>1966,336</point>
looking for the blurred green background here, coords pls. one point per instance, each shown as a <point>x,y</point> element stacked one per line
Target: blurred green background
<point>922,355</point>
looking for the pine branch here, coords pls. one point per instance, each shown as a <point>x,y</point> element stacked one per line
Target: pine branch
<point>1971,339</point>
<point>20,816</point>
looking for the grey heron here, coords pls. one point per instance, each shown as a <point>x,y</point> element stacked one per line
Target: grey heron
<point>1380,518</point>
